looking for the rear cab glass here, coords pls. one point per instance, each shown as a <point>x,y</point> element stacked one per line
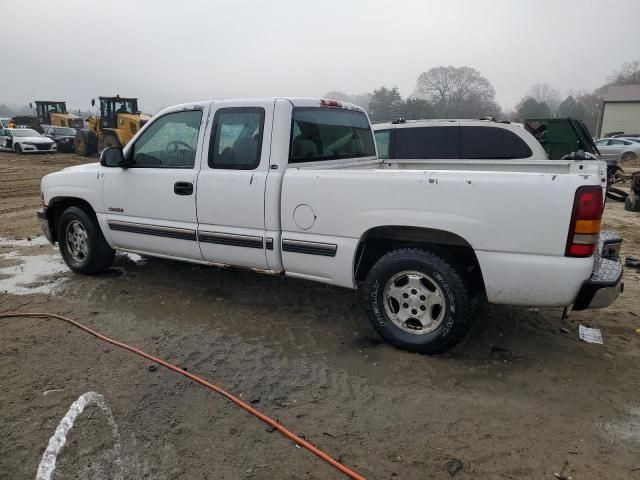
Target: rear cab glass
<point>323,134</point>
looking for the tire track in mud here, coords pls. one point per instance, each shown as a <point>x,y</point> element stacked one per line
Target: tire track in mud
<point>20,177</point>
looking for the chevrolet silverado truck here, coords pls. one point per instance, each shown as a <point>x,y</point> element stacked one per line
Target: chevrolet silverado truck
<point>294,186</point>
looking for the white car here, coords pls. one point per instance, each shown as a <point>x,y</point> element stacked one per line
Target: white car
<point>25,140</point>
<point>293,186</point>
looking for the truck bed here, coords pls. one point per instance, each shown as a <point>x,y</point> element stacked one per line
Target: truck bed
<point>535,166</point>
<point>514,214</point>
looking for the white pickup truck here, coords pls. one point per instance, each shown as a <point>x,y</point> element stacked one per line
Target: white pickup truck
<point>293,186</point>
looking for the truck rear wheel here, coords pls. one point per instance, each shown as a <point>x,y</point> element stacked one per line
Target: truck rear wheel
<point>82,244</point>
<point>85,142</point>
<point>417,301</point>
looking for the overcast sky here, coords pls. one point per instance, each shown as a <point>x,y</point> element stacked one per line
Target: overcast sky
<point>166,52</point>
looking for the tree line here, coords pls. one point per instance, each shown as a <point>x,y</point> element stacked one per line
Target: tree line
<point>462,92</point>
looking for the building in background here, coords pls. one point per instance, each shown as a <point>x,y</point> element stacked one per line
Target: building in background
<point>621,110</point>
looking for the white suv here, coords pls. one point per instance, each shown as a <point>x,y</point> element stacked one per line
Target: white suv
<point>456,139</point>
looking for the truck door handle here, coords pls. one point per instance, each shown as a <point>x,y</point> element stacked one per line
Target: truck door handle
<point>183,188</point>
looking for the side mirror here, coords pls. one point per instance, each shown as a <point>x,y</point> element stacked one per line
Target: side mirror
<point>93,102</point>
<point>112,157</point>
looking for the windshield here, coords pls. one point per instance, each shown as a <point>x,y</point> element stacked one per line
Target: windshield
<point>64,131</point>
<point>57,107</point>
<point>329,134</point>
<point>25,132</point>
<point>125,106</point>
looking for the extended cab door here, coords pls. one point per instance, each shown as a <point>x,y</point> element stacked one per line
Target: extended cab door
<point>151,204</point>
<point>231,184</point>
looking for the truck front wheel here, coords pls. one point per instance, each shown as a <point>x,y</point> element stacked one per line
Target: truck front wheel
<point>418,301</point>
<point>82,244</point>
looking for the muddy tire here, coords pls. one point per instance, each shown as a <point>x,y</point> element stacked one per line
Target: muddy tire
<point>18,149</point>
<point>81,242</point>
<point>418,301</point>
<point>85,142</point>
<point>628,156</point>
<point>110,140</point>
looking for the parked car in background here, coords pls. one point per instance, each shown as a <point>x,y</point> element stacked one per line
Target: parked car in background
<point>4,122</point>
<point>25,140</point>
<point>618,149</point>
<point>632,139</point>
<point>63,136</point>
<point>456,139</point>
<point>625,135</point>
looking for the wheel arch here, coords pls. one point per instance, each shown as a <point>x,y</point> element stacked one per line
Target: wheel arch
<point>57,205</point>
<point>378,241</point>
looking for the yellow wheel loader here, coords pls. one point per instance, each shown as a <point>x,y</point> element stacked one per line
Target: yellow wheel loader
<point>56,114</point>
<point>49,112</point>
<point>118,122</point>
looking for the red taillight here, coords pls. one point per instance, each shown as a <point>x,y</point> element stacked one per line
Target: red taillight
<point>585,222</point>
<point>330,103</point>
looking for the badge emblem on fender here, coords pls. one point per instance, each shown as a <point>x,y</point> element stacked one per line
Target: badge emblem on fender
<point>115,209</point>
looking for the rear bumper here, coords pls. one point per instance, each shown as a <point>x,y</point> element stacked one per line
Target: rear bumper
<point>605,283</point>
<point>44,223</point>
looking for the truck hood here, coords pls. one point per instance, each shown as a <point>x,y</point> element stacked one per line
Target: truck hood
<point>82,168</point>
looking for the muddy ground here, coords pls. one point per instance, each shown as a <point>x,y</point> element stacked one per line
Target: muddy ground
<point>522,397</point>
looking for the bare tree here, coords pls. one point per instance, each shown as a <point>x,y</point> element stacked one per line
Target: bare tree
<point>543,93</point>
<point>457,92</point>
<point>629,74</point>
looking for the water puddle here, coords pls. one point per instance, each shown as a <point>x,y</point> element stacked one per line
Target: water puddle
<point>627,429</point>
<point>29,274</point>
<point>33,242</point>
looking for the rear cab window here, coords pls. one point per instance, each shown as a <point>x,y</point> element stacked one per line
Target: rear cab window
<point>325,133</point>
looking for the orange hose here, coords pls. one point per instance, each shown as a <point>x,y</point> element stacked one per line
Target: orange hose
<point>268,420</point>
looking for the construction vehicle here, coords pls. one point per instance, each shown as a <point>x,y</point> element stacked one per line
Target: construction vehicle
<point>118,121</point>
<point>49,112</point>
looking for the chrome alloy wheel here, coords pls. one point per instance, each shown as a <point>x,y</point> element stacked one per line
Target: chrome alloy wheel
<point>77,244</point>
<point>414,302</point>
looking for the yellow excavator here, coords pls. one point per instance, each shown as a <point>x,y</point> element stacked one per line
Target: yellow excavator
<point>118,121</point>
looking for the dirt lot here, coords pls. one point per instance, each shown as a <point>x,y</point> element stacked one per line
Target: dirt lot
<point>521,398</point>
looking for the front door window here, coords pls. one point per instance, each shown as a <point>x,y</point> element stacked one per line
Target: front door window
<point>169,142</point>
